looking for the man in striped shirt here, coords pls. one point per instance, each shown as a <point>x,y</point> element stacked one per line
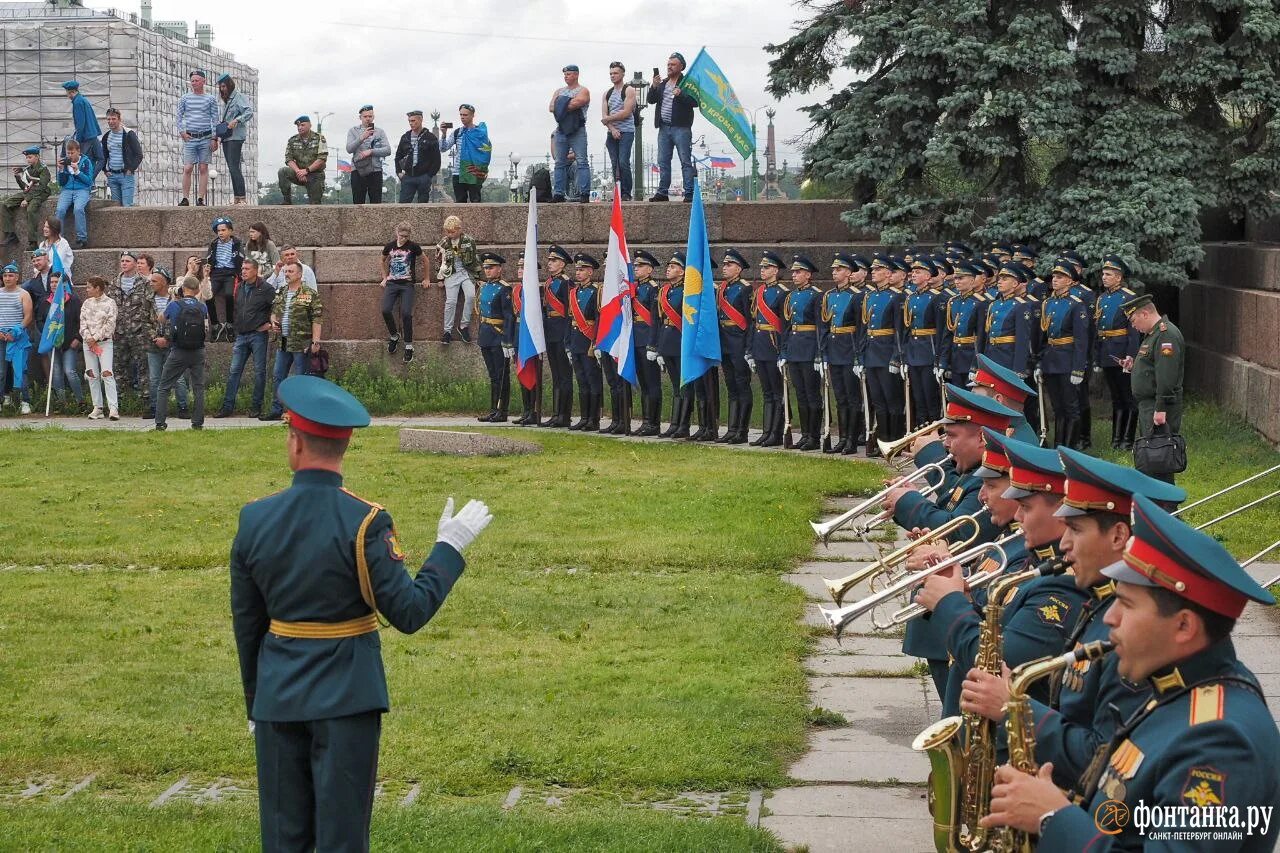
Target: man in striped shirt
<point>197,115</point>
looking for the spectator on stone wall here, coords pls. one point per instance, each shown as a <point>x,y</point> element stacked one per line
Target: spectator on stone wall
<point>399,277</point>
<point>75,176</point>
<point>35,185</point>
<point>674,120</point>
<point>289,255</point>
<point>97,329</point>
<point>569,106</point>
<point>122,155</point>
<point>53,241</point>
<point>464,145</point>
<point>458,265</point>
<point>197,116</point>
<point>261,249</point>
<point>367,145</point>
<point>417,161</point>
<point>87,130</point>
<point>296,314</point>
<point>237,112</point>
<point>619,107</point>
<point>226,254</point>
<point>306,156</point>
<point>254,298</point>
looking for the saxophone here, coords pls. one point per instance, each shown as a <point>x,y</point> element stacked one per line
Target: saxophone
<point>1020,725</point>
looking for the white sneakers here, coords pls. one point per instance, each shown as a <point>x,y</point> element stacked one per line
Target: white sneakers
<point>25,408</point>
<point>96,414</point>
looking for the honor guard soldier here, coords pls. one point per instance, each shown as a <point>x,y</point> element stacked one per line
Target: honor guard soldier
<point>619,395</point>
<point>962,324</point>
<point>882,326</point>
<point>923,324</point>
<point>1157,369</point>
<point>314,569</point>
<point>987,285</point>
<point>1090,299</point>
<point>763,346</point>
<point>644,310</point>
<point>1038,613</point>
<point>555,326</point>
<point>1037,287</point>
<point>1064,350</point>
<point>1116,343</point>
<point>944,274</point>
<point>664,348</point>
<point>801,316</point>
<point>733,305</point>
<point>1203,744</point>
<point>841,314</point>
<point>860,284</point>
<point>580,341</point>
<point>497,335</point>
<point>530,398</point>
<point>1011,322</point>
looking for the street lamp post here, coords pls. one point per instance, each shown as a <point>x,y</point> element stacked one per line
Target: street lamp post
<point>755,164</point>
<point>637,150</point>
<point>320,117</point>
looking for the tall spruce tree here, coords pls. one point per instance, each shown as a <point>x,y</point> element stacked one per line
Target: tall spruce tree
<point>1100,125</point>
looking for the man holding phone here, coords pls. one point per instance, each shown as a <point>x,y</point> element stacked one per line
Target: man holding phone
<point>674,120</point>
<point>367,145</point>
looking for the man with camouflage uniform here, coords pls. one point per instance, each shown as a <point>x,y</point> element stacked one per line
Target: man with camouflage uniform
<point>35,185</point>
<point>296,313</point>
<point>305,155</point>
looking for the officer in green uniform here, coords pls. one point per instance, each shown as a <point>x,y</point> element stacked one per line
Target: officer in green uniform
<point>1205,740</point>
<point>1157,369</point>
<point>305,156</point>
<point>312,568</point>
<point>35,185</point>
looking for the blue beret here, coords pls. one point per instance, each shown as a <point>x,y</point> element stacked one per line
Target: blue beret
<point>1168,553</point>
<point>1032,469</point>
<point>413,113</point>
<point>1095,485</point>
<point>556,252</point>
<point>680,56</point>
<point>11,268</point>
<point>771,259</point>
<point>198,72</point>
<point>1115,262</point>
<point>1064,266</point>
<point>365,107</point>
<point>223,78</point>
<point>582,259</point>
<point>734,256</point>
<point>320,407</point>
<point>800,262</point>
<point>71,85</point>
<point>492,258</point>
<point>221,220</point>
<point>677,258</point>
<point>844,259</point>
<point>569,68</point>
<point>643,257</point>
<point>40,253</point>
<point>34,149</point>
<point>301,119</point>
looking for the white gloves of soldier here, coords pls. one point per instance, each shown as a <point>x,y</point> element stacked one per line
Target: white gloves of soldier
<point>939,374</point>
<point>973,374</point>
<point>782,362</point>
<point>251,727</point>
<point>895,368</point>
<point>751,362</point>
<point>509,352</point>
<point>1076,379</point>
<point>662,362</point>
<point>461,530</point>
<point>651,355</point>
<point>1097,368</point>
<point>820,367</point>
<point>1039,375</point>
<point>858,370</point>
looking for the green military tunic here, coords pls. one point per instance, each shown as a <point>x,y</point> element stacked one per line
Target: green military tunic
<point>1157,376</point>
<point>35,184</point>
<point>303,152</point>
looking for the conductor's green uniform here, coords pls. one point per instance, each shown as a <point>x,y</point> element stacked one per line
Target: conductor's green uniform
<point>311,567</point>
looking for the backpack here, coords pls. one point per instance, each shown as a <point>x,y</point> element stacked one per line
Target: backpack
<point>540,183</point>
<point>188,326</point>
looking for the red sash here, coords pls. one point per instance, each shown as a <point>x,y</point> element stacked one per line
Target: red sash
<point>557,307</point>
<point>664,302</point>
<point>762,307</point>
<point>516,299</point>
<point>587,328</point>
<point>727,309</point>
<point>643,314</point>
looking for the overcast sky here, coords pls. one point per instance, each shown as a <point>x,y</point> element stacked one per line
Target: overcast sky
<point>503,56</point>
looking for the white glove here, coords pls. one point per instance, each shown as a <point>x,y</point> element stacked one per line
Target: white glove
<point>820,367</point>
<point>1076,379</point>
<point>568,351</point>
<point>508,351</point>
<point>461,530</point>
<point>973,374</point>
<point>251,727</point>
<point>895,368</point>
<point>751,362</point>
<point>1097,368</point>
<point>1039,376</point>
<point>782,362</point>
<point>939,374</point>
<point>858,370</point>
<point>651,355</point>
<point>662,362</point>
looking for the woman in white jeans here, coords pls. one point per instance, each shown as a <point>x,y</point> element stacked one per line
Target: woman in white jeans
<point>97,325</point>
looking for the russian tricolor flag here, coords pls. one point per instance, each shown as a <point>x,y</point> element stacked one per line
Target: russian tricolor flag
<point>614,334</point>
<point>533,340</point>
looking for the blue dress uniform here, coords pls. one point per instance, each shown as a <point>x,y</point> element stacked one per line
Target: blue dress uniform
<point>841,318</point>
<point>555,327</point>
<point>496,338</point>
<point>644,312</point>
<point>733,309</point>
<point>580,342</point>
<point>801,333</point>
<point>665,344</point>
<point>963,322</point>
<point>1205,738</point>
<point>1090,300</point>
<point>1115,340</point>
<point>882,325</point>
<point>530,398</point>
<point>923,324</point>
<point>1089,700</point>
<point>764,339</point>
<point>311,569</point>
<point>1038,614</point>
<point>924,636</point>
<point>1064,356</point>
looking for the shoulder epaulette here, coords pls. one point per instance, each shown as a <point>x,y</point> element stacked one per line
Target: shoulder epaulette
<point>1207,704</point>
<point>1077,298</point>
<point>1128,292</point>
<point>362,500</point>
<point>1020,299</point>
<point>782,287</point>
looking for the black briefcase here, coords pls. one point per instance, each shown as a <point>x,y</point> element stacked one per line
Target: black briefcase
<point>1160,453</point>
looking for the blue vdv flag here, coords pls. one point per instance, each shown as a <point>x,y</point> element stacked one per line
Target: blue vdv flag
<point>700,328</point>
<point>55,324</point>
<point>719,105</point>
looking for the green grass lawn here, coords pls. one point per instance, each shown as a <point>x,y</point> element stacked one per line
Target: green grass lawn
<point>621,628</point>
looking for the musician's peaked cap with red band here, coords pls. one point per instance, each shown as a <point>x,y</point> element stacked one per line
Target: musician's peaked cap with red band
<point>1032,469</point>
<point>995,463</point>
<point>1095,485</point>
<point>1168,553</point>
<point>319,407</point>
<point>1001,379</point>
<point>966,407</point>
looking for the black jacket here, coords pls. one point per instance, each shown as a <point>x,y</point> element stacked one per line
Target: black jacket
<point>237,257</point>
<point>132,152</point>
<point>71,317</point>
<point>428,155</point>
<point>681,107</point>
<point>253,305</point>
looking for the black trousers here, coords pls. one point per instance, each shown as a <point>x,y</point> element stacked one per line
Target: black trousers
<point>1063,396</point>
<point>1120,389</point>
<point>463,193</point>
<point>223,284</point>
<point>316,781</point>
<point>587,369</point>
<point>684,392</point>
<point>561,369</point>
<point>401,292</point>
<point>885,392</point>
<point>846,387</point>
<point>807,382</point>
<point>770,376</point>
<point>366,187</point>
<point>737,377</point>
<point>926,395</point>
<point>648,376</point>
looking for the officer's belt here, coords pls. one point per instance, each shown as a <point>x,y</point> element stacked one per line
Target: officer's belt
<point>880,333</point>
<point>804,327</point>
<point>965,339</point>
<point>1003,339</point>
<point>843,330</point>
<point>766,327</point>
<point>492,321</point>
<point>366,624</point>
<point>1113,333</point>
<point>923,333</point>
<point>1058,342</point>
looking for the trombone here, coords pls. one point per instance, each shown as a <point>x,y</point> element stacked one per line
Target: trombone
<point>839,618</point>
<point>840,588</point>
<point>892,449</point>
<point>823,530</point>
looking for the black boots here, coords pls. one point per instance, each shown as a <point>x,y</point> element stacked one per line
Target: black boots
<point>742,426</point>
<point>766,427</point>
<point>584,417</point>
<point>594,402</point>
<point>676,408</point>
<point>1129,430</point>
<point>732,432</point>
<point>561,407</point>
<point>708,428</point>
<point>651,411</point>
<point>842,424</point>
<point>806,441</point>
<point>681,412</point>
<point>1117,428</point>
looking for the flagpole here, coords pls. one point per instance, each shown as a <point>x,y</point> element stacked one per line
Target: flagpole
<point>48,390</point>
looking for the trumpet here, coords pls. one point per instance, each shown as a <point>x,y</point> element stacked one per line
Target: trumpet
<point>892,449</point>
<point>839,618</point>
<point>823,530</point>
<point>839,588</point>
<point>974,580</point>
